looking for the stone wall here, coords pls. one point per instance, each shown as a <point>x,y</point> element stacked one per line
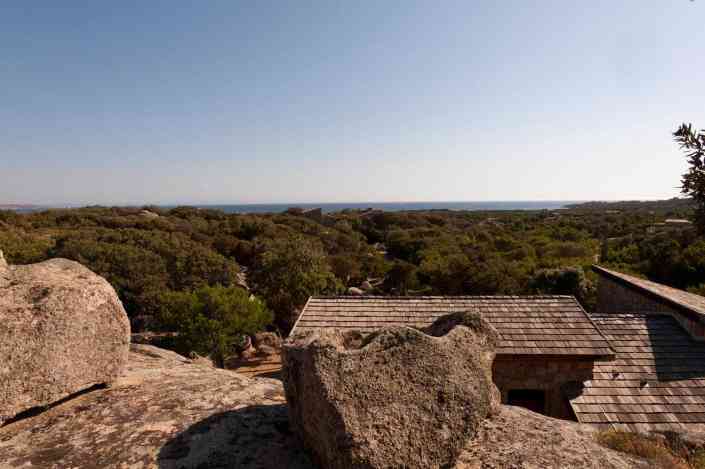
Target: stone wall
<point>561,379</point>
<point>614,297</point>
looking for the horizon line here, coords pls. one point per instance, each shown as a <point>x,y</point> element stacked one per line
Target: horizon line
<point>294,203</point>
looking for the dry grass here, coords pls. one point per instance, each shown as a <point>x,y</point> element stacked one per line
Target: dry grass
<point>654,450</point>
<point>697,460</point>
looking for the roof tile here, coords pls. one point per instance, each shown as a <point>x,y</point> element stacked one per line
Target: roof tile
<point>528,325</point>
<point>662,387</point>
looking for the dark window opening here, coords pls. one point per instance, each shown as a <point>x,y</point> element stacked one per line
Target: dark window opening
<point>569,391</point>
<point>568,412</point>
<point>532,399</point>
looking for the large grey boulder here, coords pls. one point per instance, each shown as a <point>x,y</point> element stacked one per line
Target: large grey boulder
<point>397,398</point>
<point>62,330</point>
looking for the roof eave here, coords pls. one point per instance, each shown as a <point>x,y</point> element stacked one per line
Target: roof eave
<point>555,356</point>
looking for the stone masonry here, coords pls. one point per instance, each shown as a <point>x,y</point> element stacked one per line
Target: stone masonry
<point>560,379</point>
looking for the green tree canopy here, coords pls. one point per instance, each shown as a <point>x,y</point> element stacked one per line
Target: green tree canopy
<point>563,281</point>
<point>289,270</point>
<point>212,320</point>
<point>401,278</point>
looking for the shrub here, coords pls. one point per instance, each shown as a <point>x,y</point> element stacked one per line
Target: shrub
<point>345,267</point>
<point>24,248</point>
<point>401,278</point>
<point>697,461</point>
<point>565,281</point>
<point>212,320</point>
<point>570,249</point>
<point>650,448</point>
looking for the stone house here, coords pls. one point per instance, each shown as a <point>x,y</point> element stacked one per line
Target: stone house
<point>637,363</point>
<point>548,345</point>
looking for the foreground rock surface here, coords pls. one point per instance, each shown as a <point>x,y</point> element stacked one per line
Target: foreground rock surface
<point>517,438</point>
<point>167,412</point>
<point>164,412</point>
<point>397,398</point>
<point>62,330</point>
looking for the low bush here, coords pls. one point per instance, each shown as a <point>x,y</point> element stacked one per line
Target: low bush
<point>212,321</point>
<point>656,451</point>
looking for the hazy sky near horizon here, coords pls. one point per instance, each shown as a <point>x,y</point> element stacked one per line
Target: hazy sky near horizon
<point>270,101</point>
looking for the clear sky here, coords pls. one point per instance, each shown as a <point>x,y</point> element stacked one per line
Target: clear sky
<point>117,102</point>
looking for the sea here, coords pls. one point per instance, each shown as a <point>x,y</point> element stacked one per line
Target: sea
<point>337,207</point>
<point>399,206</point>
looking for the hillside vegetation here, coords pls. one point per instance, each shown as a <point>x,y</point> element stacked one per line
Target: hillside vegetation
<point>178,269</point>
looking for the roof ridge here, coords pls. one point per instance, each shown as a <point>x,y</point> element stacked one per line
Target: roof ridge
<point>444,297</point>
<point>604,337</point>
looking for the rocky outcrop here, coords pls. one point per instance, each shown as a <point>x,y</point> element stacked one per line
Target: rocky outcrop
<point>267,344</point>
<point>397,398</point>
<point>268,339</point>
<point>168,412</point>
<point>164,412</point>
<point>152,338</point>
<point>148,214</point>
<point>262,358</point>
<point>354,291</point>
<point>517,438</point>
<point>62,330</point>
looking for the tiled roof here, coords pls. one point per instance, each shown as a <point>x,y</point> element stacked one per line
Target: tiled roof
<point>656,382</point>
<point>531,325</point>
<point>673,296</point>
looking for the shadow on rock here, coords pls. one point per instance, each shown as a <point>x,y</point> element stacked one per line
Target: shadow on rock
<point>251,437</point>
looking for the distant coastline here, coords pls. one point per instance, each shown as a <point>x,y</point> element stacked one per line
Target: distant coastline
<point>475,206</point>
<point>17,206</point>
<point>397,206</point>
<point>21,207</point>
<point>340,206</point>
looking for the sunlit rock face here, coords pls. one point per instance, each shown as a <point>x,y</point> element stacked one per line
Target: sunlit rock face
<point>396,398</point>
<point>62,330</point>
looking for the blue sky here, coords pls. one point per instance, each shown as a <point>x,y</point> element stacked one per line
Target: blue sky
<point>238,102</point>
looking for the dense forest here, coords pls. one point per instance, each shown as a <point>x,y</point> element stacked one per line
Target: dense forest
<point>216,277</point>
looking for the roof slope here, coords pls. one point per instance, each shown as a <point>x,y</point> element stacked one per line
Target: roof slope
<point>656,382</point>
<point>530,325</point>
<point>673,296</point>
